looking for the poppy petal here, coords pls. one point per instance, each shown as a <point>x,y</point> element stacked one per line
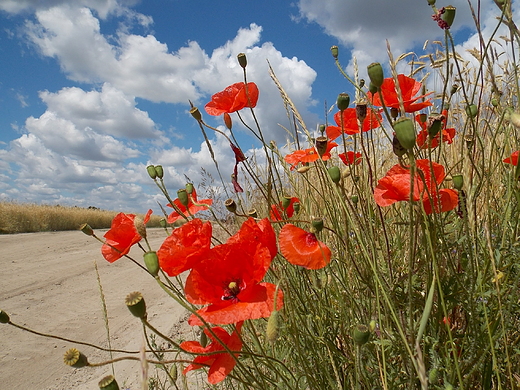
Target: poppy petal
<point>302,248</point>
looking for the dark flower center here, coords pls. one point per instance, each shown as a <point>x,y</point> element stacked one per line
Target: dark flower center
<point>231,291</point>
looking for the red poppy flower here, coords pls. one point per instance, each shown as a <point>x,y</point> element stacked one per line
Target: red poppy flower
<point>121,236</point>
<point>261,231</point>
<point>277,209</point>
<point>409,87</point>
<point>513,159</point>
<point>302,248</point>
<point>351,158</point>
<point>350,123</point>
<point>232,99</point>
<point>424,141</point>
<point>308,155</point>
<point>395,187</point>
<point>194,206</point>
<point>228,280</point>
<point>185,247</point>
<point>220,364</point>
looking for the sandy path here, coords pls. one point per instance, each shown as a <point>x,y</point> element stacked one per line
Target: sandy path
<point>48,283</point>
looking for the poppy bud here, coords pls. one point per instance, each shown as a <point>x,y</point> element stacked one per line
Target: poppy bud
<point>75,358</point>
<point>135,303</point>
<point>397,148</point>
<point>343,101</point>
<point>252,213</point>
<point>152,262</point>
<point>361,112</point>
<point>335,51</point>
<point>405,132</point>
<point>286,202</point>
<point>227,121</point>
<point>303,169</point>
<point>242,60</point>
<point>203,339</point>
<point>375,72</point>
<point>296,207</point>
<point>140,227</point>
<point>182,195</point>
<point>159,171</point>
<point>335,174</point>
<point>273,327</point>
<point>194,111</point>
<point>4,317</point>
<point>458,181</point>
<point>449,15</point>
<point>434,124</point>
<point>85,228</point>
<point>361,83</point>
<point>189,188</point>
<point>361,334</point>
<point>494,102</point>
<point>151,171</point>
<point>231,205</point>
<point>108,383</point>
<point>471,110</point>
<point>454,88</point>
<point>433,377</point>
<point>317,225</point>
<point>321,145</point>
<point>354,199</point>
<point>372,325</point>
<point>469,140</point>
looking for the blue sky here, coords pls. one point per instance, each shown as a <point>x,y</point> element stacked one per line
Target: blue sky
<point>92,91</point>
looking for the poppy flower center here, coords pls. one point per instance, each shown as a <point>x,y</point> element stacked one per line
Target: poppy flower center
<point>231,291</point>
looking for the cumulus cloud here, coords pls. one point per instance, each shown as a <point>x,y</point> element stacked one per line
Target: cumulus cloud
<point>364,27</point>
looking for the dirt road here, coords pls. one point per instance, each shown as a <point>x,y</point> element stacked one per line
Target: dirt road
<point>49,283</point>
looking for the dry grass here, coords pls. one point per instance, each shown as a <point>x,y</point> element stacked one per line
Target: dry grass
<point>27,218</point>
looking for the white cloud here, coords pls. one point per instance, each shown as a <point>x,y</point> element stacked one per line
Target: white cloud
<point>364,26</point>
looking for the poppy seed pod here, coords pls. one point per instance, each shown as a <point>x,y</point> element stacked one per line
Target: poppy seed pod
<point>322,129</point>
<point>361,334</point>
<point>494,102</point>
<point>136,304</point>
<point>405,132</point>
<point>231,205</point>
<point>335,52</point>
<point>343,101</point>
<point>242,60</point>
<point>286,202</point>
<point>4,317</point>
<point>375,72</point>
<point>296,207</point>
<point>152,262</point>
<point>321,145</point>
<point>159,170</point>
<point>151,171</point>
<point>394,113</point>
<point>85,228</point>
<point>431,2</point>
<point>189,188</point>
<point>335,174</point>
<point>361,112</point>
<point>252,213</point>
<point>454,88</point>
<point>317,225</point>
<point>182,195</point>
<point>354,199</point>
<point>449,15</point>
<point>195,113</point>
<point>75,358</point>
<point>434,124</point>
<point>458,181</point>
<point>472,110</point>
<point>372,88</point>
<point>108,383</point>
<point>227,121</point>
<point>273,327</point>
